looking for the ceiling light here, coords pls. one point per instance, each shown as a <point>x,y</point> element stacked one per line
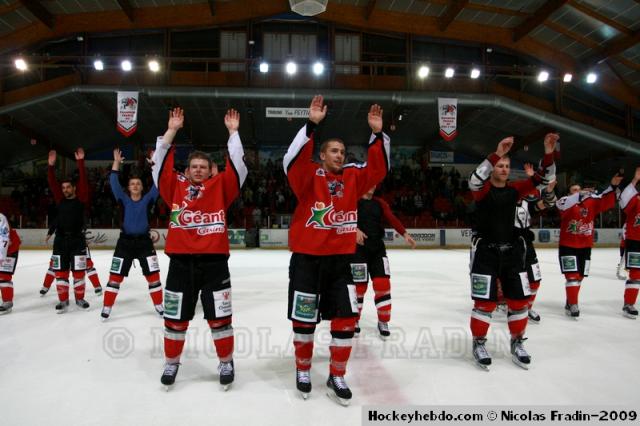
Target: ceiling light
<point>264,67</point>
<point>543,76</point>
<point>318,68</point>
<point>448,73</point>
<point>592,77</point>
<point>154,65</point>
<point>291,68</point>
<point>567,77</point>
<point>423,71</point>
<point>21,64</point>
<point>126,65</point>
<point>475,73</point>
<point>98,65</point>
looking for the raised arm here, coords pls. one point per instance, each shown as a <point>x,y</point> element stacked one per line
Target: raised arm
<point>608,198</point>
<point>82,188</point>
<point>235,172</point>
<point>628,198</point>
<point>479,183</point>
<point>164,175</point>
<point>298,161</point>
<point>54,185</point>
<point>114,181</point>
<point>378,162</point>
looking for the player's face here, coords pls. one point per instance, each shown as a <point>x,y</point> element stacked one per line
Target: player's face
<point>68,190</point>
<point>199,170</point>
<point>501,170</point>
<point>135,187</point>
<point>333,157</point>
<point>575,189</point>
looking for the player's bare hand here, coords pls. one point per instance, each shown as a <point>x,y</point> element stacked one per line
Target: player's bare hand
<point>317,109</point>
<point>232,120</point>
<point>550,142</point>
<point>176,119</point>
<point>52,158</point>
<point>529,170</point>
<point>360,237</point>
<point>504,146</point>
<point>409,239</point>
<point>79,154</point>
<point>374,118</point>
<point>117,156</point>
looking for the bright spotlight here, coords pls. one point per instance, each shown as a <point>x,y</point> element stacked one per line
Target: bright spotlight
<point>475,73</point>
<point>291,68</point>
<point>543,76</point>
<point>449,72</point>
<point>423,71</point>
<point>567,77</point>
<point>126,65</point>
<point>154,66</point>
<point>592,77</point>
<point>21,64</point>
<point>318,68</point>
<point>264,67</point>
<point>98,65</point>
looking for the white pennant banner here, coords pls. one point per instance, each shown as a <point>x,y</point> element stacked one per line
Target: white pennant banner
<point>447,118</point>
<point>127,113</point>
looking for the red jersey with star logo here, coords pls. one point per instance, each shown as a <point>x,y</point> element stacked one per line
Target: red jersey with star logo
<point>326,217</point>
<point>198,223</point>
<point>630,204</point>
<point>577,213</point>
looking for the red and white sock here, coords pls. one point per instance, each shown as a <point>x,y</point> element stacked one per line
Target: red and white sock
<point>155,288</point>
<point>382,298</point>
<point>48,278</point>
<point>175,333</point>
<point>534,286</point>
<point>631,287</point>
<point>6,287</point>
<point>517,316</point>
<point>342,330</point>
<point>303,334</point>
<point>572,287</point>
<point>62,285</point>
<point>113,287</point>
<point>481,317</point>
<point>78,284</point>
<point>222,333</point>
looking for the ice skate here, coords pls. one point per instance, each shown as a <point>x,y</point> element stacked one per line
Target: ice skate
<point>630,311</point>
<point>106,312</point>
<point>227,374</point>
<point>356,331</point>
<point>303,383</point>
<point>62,307</point>
<point>480,353</point>
<point>159,309</point>
<point>572,310</point>
<point>43,291</point>
<point>383,329</point>
<point>621,273</point>
<point>169,375</point>
<point>98,290</point>
<point>6,307</point>
<point>519,355</point>
<point>534,316</point>
<point>338,390</point>
<point>82,304</point>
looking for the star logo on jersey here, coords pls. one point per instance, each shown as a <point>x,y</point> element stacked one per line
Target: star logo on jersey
<point>336,188</point>
<point>577,227</point>
<point>636,223</point>
<point>325,217</point>
<point>176,211</point>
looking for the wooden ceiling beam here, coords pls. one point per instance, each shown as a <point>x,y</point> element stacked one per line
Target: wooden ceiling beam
<point>6,8</point>
<point>537,19</point>
<point>212,7</point>
<point>40,12</point>
<point>622,79</point>
<point>127,9</point>
<point>599,17</point>
<point>575,36</point>
<point>617,46</point>
<point>369,9</point>
<point>450,13</point>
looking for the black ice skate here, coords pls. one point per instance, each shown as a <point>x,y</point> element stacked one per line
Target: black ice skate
<point>106,312</point>
<point>630,311</point>
<point>43,291</point>
<point>5,308</point>
<point>534,316</point>
<point>62,307</point>
<point>303,382</point>
<point>82,304</point>
<point>519,356</point>
<point>383,329</point>
<point>169,374</point>
<point>227,375</point>
<point>480,353</point>
<point>356,331</point>
<point>572,310</point>
<point>159,309</point>
<point>98,290</point>
<point>338,390</point>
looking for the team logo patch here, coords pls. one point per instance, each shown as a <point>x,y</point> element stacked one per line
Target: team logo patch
<point>524,280</point>
<point>222,302</point>
<point>116,265</point>
<point>537,274</point>
<point>633,260</point>
<point>359,272</point>
<point>55,262</point>
<point>569,264</point>
<point>305,307</point>
<point>172,304</point>
<point>577,227</point>
<point>8,265</point>
<point>152,263</point>
<point>385,264</point>
<point>584,212</point>
<point>194,192</point>
<point>587,266</point>
<point>636,223</point>
<point>336,188</point>
<point>320,172</point>
<point>480,286</point>
<point>353,298</point>
<point>205,222</point>
<point>325,217</point>
<point>80,262</point>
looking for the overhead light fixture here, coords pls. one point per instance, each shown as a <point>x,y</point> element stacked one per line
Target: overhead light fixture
<point>126,65</point>
<point>264,67</point>
<point>98,65</point>
<point>592,77</point>
<point>475,73</point>
<point>21,64</point>
<point>543,76</point>
<point>449,72</point>
<point>567,77</point>
<point>318,68</point>
<point>154,65</point>
<point>291,68</point>
<point>423,71</point>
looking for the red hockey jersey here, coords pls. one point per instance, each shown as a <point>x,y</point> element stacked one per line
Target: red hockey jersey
<point>9,238</point>
<point>198,222</point>
<point>630,204</point>
<point>577,213</point>
<point>326,217</point>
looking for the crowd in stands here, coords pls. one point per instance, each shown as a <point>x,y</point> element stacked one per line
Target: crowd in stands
<point>420,195</point>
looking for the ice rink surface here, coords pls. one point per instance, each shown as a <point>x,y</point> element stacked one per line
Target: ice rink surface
<point>73,369</point>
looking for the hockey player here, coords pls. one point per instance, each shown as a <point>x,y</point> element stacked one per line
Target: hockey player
<point>323,238</point>
<point>197,243</point>
<point>69,245</point>
<point>371,259</point>
<point>630,204</point>
<point>577,214</point>
<point>526,208</point>
<point>134,241</point>
<point>9,247</point>
<point>496,251</point>
<point>621,272</point>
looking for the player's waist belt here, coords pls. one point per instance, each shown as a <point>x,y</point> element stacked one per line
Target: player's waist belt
<point>500,246</point>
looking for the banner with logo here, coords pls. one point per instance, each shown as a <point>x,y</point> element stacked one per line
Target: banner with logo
<point>127,113</point>
<point>447,118</point>
<point>441,157</point>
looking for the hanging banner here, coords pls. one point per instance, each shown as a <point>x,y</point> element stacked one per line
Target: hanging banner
<point>447,117</point>
<point>127,113</point>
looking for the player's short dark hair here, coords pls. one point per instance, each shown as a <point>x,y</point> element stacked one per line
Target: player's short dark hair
<point>69,181</point>
<point>199,155</point>
<point>325,144</point>
<point>135,177</point>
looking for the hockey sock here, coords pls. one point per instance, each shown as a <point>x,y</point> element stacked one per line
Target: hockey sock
<point>340,347</point>
<point>572,287</point>
<point>517,317</point>
<point>222,333</point>
<point>62,285</point>
<point>382,298</point>
<point>113,287</point>
<point>48,278</point>
<point>92,274</point>
<point>174,336</point>
<point>534,286</point>
<point>6,287</point>
<point>155,287</point>
<point>481,317</point>
<point>303,344</point>
<point>631,287</point>
<point>361,289</point>
<point>78,284</point>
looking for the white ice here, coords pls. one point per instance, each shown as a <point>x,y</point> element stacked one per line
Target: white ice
<point>74,369</point>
